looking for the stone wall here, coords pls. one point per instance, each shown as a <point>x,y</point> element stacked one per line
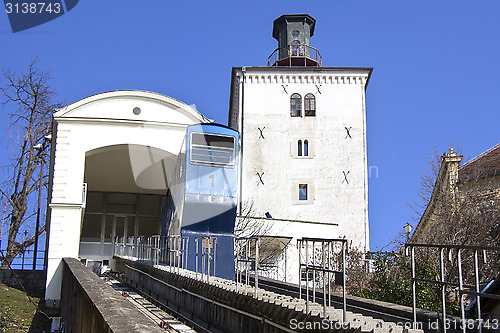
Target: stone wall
<point>88,304</point>
<point>23,278</point>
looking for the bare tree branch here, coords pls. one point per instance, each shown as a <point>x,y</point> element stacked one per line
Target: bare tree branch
<point>28,98</point>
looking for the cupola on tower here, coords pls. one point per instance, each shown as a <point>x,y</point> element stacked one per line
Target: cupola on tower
<point>303,157</point>
<point>293,33</point>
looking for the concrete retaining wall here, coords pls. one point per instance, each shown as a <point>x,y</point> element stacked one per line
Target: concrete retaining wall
<point>211,306</point>
<point>28,279</point>
<point>88,304</point>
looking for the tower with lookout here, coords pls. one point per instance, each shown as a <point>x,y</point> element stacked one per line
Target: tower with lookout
<point>303,157</point>
<point>293,33</point>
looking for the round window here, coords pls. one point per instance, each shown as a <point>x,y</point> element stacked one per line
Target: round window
<point>295,33</point>
<point>137,111</point>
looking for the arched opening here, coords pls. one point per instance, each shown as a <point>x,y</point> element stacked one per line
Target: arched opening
<point>126,187</point>
<point>310,105</point>
<point>295,105</point>
<point>295,48</point>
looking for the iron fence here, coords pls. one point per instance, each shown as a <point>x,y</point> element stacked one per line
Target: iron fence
<point>455,253</point>
<point>323,262</point>
<point>247,261</point>
<point>288,53</point>
<point>26,260</point>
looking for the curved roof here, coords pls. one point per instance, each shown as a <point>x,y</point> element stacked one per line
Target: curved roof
<point>133,105</point>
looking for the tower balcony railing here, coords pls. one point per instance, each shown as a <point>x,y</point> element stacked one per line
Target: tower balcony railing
<point>295,55</point>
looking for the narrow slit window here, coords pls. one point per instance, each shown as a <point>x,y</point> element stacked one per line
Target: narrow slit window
<point>295,105</point>
<point>299,153</point>
<point>310,105</point>
<point>306,148</point>
<point>302,192</point>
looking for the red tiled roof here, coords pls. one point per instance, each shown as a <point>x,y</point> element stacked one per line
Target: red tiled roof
<point>485,165</point>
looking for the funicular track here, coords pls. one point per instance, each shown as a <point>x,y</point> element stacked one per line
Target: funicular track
<point>189,317</point>
<point>306,302</point>
<point>389,313</point>
<point>270,303</point>
<point>155,310</point>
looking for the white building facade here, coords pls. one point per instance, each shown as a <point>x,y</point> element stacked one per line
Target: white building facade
<point>303,167</point>
<point>112,155</point>
<point>304,157</point>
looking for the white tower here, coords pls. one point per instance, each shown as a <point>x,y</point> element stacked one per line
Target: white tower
<point>303,131</point>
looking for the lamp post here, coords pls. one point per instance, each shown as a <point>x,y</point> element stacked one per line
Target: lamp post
<point>24,248</point>
<point>407,228</point>
<point>40,148</point>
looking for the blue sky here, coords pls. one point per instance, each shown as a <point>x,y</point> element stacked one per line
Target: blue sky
<point>435,79</point>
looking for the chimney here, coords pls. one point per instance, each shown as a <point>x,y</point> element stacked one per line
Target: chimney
<point>450,163</point>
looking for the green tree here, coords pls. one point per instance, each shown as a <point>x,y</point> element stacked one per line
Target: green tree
<point>392,281</point>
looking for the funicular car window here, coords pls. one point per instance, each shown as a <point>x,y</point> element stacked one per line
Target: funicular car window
<point>212,149</point>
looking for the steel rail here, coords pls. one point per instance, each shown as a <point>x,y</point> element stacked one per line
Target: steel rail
<point>169,309</point>
<point>128,288</point>
<point>247,314</point>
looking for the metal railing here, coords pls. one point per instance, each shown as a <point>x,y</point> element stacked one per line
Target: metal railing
<point>325,260</point>
<point>247,260</point>
<point>171,250</point>
<point>454,252</point>
<point>206,255</point>
<point>26,260</point>
<point>174,251</point>
<point>126,246</point>
<point>288,55</point>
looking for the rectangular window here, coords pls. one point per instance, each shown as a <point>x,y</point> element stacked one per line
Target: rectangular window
<point>212,140</point>
<point>302,191</point>
<point>91,231</point>
<point>212,150</point>
<point>310,107</point>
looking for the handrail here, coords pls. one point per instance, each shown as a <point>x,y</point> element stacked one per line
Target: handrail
<point>447,250</point>
<point>321,262</point>
<point>25,259</point>
<point>451,246</point>
<point>299,51</point>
